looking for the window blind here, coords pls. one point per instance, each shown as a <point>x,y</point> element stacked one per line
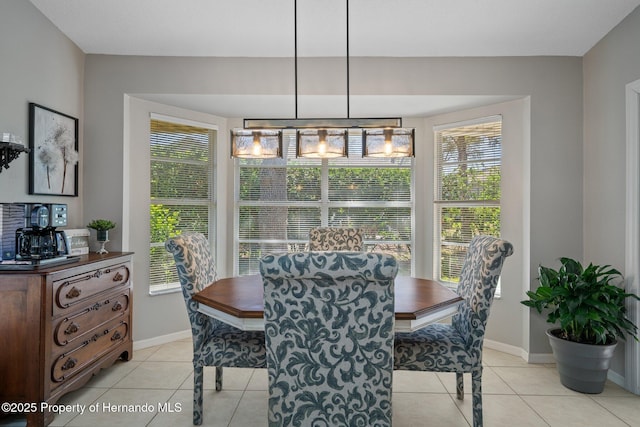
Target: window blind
<point>181,191</point>
<point>467,189</point>
<point>279,200</point>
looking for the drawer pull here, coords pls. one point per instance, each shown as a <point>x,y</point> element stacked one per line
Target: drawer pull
<point>69,364</point>
<point>72,328</point>
<point>116,336</point>
<point>74,293</point>
<point>118,277</point>
<point>117,306</point>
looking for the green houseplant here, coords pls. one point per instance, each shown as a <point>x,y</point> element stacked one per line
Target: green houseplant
<point>102,227</point>
<point>588,305</point>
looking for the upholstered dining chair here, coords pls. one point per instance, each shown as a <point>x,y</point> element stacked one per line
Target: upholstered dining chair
<point>214,343</point>
<point>335,239</point>
<point>457,347</point>
<point>329,319</point>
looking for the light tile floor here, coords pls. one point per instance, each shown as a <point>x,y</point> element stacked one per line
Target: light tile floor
<point>159,380</point>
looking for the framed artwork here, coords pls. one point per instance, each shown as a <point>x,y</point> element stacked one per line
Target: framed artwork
<point>53,160</point>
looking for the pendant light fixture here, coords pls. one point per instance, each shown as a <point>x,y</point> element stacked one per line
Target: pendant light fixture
<point>256,144</point>
<point>322,138</point>
<point>388,142</point>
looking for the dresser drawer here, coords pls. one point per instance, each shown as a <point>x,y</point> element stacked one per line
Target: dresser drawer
<point>69,363</point>
<point>75,290</point>
<point>68,330</point>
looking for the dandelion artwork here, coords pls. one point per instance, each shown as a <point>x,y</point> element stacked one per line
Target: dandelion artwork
<point>53,140</point>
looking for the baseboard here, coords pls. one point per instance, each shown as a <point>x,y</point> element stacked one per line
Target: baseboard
<point>616,378</point>
<point>163,339</point>
<point>495,345</point>
<point>542,358</point>
<point>519,352</point>
<point>539,357</point>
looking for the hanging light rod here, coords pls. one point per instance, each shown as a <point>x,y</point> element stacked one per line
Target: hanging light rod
<point>322,137</point>
<point>391,122</point>
<point>310,123</point>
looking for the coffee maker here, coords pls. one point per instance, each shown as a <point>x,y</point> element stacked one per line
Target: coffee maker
<point>39,239</point>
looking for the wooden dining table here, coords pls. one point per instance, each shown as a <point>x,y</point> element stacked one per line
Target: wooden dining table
<point>239,302</point>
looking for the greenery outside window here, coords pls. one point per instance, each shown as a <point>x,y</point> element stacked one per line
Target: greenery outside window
<point>182,191</point>
<point>467,190</point>
<point>279,200</point>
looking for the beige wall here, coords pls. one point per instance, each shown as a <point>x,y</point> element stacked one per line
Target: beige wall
<point>552,88</point>
<point>514,206</point>
<point>608,68</point>
<point>37,64</point>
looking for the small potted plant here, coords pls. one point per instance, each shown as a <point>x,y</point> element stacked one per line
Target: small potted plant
<point>102,227</point>
<point>588,305</point>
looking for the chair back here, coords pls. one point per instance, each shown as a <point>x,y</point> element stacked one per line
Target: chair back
<point>196,270</point>
<point>335,239</point>
<point>477,286</point>
<point>329,319</point>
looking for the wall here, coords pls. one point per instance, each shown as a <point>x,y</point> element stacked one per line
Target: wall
<point>148,324</point>
<point>552,88</point>
<point>514,200</point>
<point>37,64</point>
<point>608,68</point>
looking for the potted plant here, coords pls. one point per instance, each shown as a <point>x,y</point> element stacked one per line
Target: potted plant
<point>589,306</point>
<point>102,227</point>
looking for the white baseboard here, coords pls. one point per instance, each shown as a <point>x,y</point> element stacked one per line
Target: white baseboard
<point>541,358</point>
<point>616,378</point>
<point>495,345</point>
<point>517,351</point>
<point>163,339</point>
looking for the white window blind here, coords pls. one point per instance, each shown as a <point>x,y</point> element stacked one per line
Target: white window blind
<point>467,189</point>
<point>181,192</point>
<point>279,200</point>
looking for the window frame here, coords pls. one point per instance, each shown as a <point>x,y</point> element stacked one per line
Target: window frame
<point>210,202</point>
<point>324,204</point>
<point>439,204</point>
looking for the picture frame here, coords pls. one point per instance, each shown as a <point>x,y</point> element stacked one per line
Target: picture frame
<point>53,159</point>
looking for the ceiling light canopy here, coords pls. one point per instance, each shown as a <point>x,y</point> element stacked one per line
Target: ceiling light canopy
<point>322,138</point>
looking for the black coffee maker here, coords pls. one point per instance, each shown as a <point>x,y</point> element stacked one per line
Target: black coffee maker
<point>40,240</point>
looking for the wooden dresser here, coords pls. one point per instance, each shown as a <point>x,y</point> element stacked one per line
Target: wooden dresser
<point>61,325</point>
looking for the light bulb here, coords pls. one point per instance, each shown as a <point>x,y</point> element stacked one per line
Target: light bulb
<point>322,148</point>
<point>322,142</point>
<point>388,148</point>
<point>257,148</point>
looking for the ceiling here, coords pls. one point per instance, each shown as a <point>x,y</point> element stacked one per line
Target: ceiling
<point>397,28</point>
<point>255,28</point>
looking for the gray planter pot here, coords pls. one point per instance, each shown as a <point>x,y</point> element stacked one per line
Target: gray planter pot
<point>582,367</point>
<point>103,235</point>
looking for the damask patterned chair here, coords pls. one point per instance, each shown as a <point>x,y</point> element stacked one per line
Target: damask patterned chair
<point>457,347</point>
<point>335,239</point>
<point>329,319</point>
<point>214,343</point>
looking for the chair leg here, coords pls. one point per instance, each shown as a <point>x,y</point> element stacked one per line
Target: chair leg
<point>197,394</point>
<point>476,386</point>
<point>459,386</point>
<point>218,378</point>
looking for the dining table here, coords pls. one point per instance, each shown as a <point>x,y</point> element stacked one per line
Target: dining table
<point>239,301</point>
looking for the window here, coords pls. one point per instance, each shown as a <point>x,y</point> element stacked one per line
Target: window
<point>279,200</point>
<point>467,189</point>
<point>181,191</point>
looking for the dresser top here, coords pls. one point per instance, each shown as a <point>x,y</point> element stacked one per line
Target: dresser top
<point>73,262</point>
